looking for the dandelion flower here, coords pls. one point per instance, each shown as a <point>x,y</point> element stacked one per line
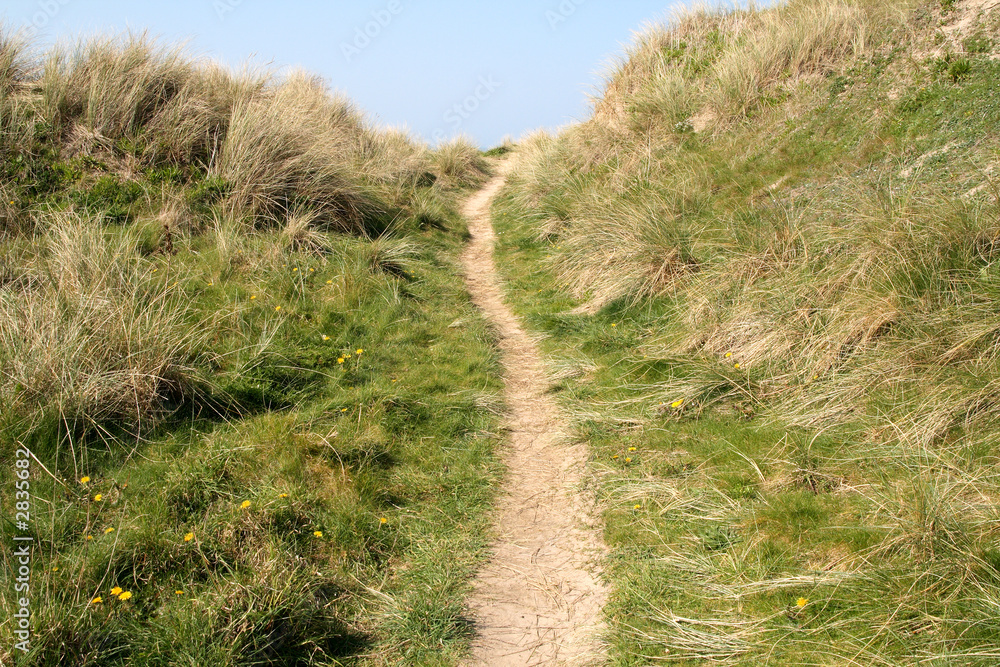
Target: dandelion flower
<point>678,403</point>
<point>325,337</point>
<point>178,592</point>
<point>615,457</point>
<point>736,366</point>
<point>340,360</point>
<point>801,602</point>
<point>277,309</point>
<point>188,537</point>
<point>108,530</point>
<point>359,352</point>
<point>116,590</point>
<point>728,355</point>
<point>632,449</point>
<point>329,282</point>
<point>84,479</point>
<point>125,595</point>
<point>283,495</point>
<point>245,504</point>
<point>97,600</point>
<point>295,270</point>
<point>90,537</point>
<point>97,498</point>
<point>382,521</point>
<point>343,409</point>
<point>628,459</point>
<point>637,506</point>
<point>613,325</point>
<point>317,533</point>
<point>55,568</point>
<point>253,297</point>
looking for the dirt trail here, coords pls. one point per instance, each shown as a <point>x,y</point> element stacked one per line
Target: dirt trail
<point>539,599</point>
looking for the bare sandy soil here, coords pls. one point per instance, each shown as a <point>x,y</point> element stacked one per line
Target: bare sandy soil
<point>539,599</point>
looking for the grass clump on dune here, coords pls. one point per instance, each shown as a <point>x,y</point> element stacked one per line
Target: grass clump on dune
<point>770,275</point>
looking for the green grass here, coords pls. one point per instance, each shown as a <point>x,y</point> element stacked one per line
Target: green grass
<point>776,334</point>
<point>260,400</point>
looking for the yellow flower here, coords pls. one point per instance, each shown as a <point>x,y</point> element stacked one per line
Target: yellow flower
<point>283,495</point>
<point>340,360</point>
<point>637,506</point>
<point>343,409</point>
<point>801,602</point>
<point>628,459</point>
<point>253,297</point>
<point>615,456</point>
<point>329,282</point>
<point>382,521</point>
<point>245,504</point>
<point>614,325</point>
<point>728,354</point>
<point>188,537</point>
<point>55,568</point>
<point>736,366</point>
<point>97,498</point>
<point>631,449</point>
<point>325,337</point>
<point>125,596</point>
<point>359,351</point>
<point>678,403</point>
<point>317,533</point>
<point>116,590</point>
<point>108,530</point>
<point>97,600</point>
<point>277,309</point>
<point>178,592</point>
<point>295,270</point>
<point>84,479</point>
<point>90,537</point>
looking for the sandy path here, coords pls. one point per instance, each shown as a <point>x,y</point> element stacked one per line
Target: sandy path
<point>539,599</point>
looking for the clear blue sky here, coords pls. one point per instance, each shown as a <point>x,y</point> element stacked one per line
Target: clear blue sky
<point>511,65</point>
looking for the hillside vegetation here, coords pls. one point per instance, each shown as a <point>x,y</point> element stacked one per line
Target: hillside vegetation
<point>771,284</point>
<point>261,407</point>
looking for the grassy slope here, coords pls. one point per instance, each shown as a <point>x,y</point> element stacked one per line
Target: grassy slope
<point>262,361</point>
<point>789,379</point>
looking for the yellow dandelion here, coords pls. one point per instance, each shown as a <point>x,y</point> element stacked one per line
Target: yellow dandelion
<point>97,600</point>
<point>628,459</point>
<point>97,498</point>
<point>277,309</point>
<point>325,337</point>
<point>210,283</point>
<point>359,352</point>
<point>253,297</point>
<point>728,355</point>
<point>178,592</point>
<point>676,404</point>
<point>801,602</point>
<point>295,270</point>
<point>613,325</point>
<point>116,590</point>
<point>84,479</point>
<point>188,537</point>
<point>615,457</point>
<point>815,377</point>
<point>312,270</point>
<point>637,506</point>
<point>245,504</point>
<point>155,270</point>
<point>329,282</point>
<point>108,530</point>
<point>632,449</point>
<point>736,366</point>
<point>283,495</point>
<point>90,537</point>
<point>340,360</point>
<point>317,533</point>
<point>55,568</point>
<point>343,409</point>
<point>125,595</point>
<point>382,521</point>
